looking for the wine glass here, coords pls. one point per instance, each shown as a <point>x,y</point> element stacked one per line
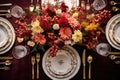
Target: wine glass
<point>20,51</point>
<point>103,49</point>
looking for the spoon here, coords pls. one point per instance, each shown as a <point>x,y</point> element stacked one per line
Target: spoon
<point>5,10</point>
<point>31,7</point>
<point>89,59</point>
<point>37,6</point>
<point>113,57</point>
<point>115,9</point>
<point>7,62</point>
<point>113,3</point>
<point>88,5</point>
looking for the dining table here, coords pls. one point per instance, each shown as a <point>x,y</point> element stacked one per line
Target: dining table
<point>102,67</point>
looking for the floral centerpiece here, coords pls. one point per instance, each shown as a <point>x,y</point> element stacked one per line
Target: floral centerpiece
<point>57,26</point>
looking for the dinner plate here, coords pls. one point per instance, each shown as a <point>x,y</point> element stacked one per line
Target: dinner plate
<point>63,66</point>
<point>113,31</point>
<point>7,35</point>
<point>3,36</point>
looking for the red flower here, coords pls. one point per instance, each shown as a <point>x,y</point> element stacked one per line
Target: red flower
<point>39,38</point>
<point>65,33</point>
<point>63,22</point>
<point>45,25</point>
<point>64,7</point>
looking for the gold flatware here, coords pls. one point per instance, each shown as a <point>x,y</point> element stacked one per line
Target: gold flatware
<point>84,63</point>
<point>7,4</point>
<point>31,7</point>
<point>5,10</point>
<point>7,15</point>
<point>113,57</point>
<point>33,63</point>
<point>5,68</point>
<point>117,62</point>
<point>5,57</point>
<point>89,59</point>
<point>7,62</point>
<point>38,60</point>
<point>115,9</point>
<point>112,3</point>
<point>37,6</point>
<point>115,53</point>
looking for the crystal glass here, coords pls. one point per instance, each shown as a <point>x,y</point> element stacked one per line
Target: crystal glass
<point>17,11</point>
<point>20,51</point>
<point>99,4</point>
<point>103,49</point>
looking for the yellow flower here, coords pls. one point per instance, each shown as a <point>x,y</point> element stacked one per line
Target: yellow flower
<point>92,26</point>
<point>20,39</point>
<point>77,36</point>
<point>75,15</point>
<point>36,27</point>
<point>84,23</point>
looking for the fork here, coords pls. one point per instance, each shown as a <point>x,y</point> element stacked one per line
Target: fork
<point>33,63</point>
<point>38,60</point>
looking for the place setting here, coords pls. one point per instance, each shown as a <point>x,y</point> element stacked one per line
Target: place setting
<point>60,26</point>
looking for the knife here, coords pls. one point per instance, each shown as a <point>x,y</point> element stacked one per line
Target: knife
<point>84,63</point>
<point>6,4</point>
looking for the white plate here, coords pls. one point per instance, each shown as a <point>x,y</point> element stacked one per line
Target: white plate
<point>113,31</point>
<point>3,36</point>
<point>63,66</point>
<point>9,33</point>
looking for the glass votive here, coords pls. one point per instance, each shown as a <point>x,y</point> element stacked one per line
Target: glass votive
<point>103,49</point>
<point>20,51</point>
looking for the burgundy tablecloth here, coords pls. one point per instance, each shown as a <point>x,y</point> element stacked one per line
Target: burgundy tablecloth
<point>102,67</point>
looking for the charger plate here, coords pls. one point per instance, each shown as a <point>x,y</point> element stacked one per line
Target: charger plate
<point>63,66</point>
<point>7,35</point>
<point>113,31</point>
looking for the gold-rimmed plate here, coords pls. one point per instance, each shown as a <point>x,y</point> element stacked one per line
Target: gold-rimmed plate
<point>8,34</point>
<point>63,66</point>
<point>113,31</point>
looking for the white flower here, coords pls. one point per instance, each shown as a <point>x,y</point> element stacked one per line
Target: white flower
<point>58,11</point>
<point>56,27</point>
<point>30,43</point>
<point>77,36</point>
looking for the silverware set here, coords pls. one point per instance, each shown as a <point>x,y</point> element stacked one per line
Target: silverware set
<point>5,63</point>
<point>6,12</point>
<point>89,60</point>
<point>35,60</point>
<point>113,4</point>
